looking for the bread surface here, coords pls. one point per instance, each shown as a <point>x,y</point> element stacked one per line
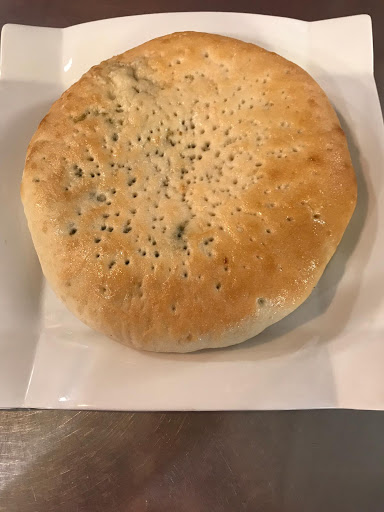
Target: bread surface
<point>188,193</point>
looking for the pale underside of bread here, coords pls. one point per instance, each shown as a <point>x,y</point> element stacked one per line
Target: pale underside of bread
<point>188,193</point>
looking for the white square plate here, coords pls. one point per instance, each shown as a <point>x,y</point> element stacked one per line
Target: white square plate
<point>329,353</point>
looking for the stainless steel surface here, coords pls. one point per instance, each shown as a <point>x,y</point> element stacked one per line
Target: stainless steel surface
<point>313,461</point>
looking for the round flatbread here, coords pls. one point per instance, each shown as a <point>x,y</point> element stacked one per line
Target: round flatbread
<point>188,193</point>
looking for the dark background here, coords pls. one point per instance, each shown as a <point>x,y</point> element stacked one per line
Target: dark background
<point>299,461</point>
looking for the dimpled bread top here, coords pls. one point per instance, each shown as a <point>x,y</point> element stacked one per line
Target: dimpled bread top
<point>188,193</point>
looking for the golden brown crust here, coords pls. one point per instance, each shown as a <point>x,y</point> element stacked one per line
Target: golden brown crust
<point>189,192</point>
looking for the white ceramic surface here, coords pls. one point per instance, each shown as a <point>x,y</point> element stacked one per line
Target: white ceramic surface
<point>328,353</point>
